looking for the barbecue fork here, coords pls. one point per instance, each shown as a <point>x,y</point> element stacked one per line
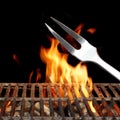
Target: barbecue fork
<point>86,53</point>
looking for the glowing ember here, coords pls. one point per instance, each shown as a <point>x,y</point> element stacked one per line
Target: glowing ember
<point>91,30</point>
<point>58,70</point>
<point>16,59</point>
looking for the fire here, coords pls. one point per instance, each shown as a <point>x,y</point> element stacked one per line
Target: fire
<point>58,70</point>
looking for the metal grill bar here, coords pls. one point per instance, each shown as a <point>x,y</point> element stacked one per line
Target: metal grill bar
<point>51,101</point>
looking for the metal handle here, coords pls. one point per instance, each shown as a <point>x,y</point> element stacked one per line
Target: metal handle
<point>107,67</point>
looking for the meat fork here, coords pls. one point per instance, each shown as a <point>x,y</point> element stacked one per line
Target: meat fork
<point>87,52</point>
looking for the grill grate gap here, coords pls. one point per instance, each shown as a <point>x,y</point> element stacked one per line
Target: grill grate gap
<point>3,92</point>
<point>28,91</point>
<point>20,91</point>
<point>36,91</point>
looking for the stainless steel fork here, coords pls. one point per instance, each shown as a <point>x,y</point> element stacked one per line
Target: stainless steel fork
<point>87,52</point>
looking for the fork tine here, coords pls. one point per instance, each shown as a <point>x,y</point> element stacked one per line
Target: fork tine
<point>69,47</point>
<point>76,36</point>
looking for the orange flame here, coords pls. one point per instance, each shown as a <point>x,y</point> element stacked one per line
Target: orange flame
<point>58,70</point>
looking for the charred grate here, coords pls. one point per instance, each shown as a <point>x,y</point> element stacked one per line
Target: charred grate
<point>23,101</point>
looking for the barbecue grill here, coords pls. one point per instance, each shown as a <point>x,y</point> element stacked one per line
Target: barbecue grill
<point>36,101</point>
<point>23,101</point>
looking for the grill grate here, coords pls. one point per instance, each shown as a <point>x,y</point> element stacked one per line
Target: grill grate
<point>44,101</point>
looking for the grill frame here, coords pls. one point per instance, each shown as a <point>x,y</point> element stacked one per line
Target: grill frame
<point>100,94</point>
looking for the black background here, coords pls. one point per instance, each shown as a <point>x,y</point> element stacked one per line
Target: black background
<point>23,32</point>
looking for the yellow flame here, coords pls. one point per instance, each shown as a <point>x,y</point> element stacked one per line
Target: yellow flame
<point>58,70</point>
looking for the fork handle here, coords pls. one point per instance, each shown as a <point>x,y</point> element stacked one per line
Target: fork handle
<point>107,67</point>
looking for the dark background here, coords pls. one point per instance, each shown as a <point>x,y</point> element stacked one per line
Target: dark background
<point>23,32</point>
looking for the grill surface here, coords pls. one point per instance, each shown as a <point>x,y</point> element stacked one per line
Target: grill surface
<point>36,101</point>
